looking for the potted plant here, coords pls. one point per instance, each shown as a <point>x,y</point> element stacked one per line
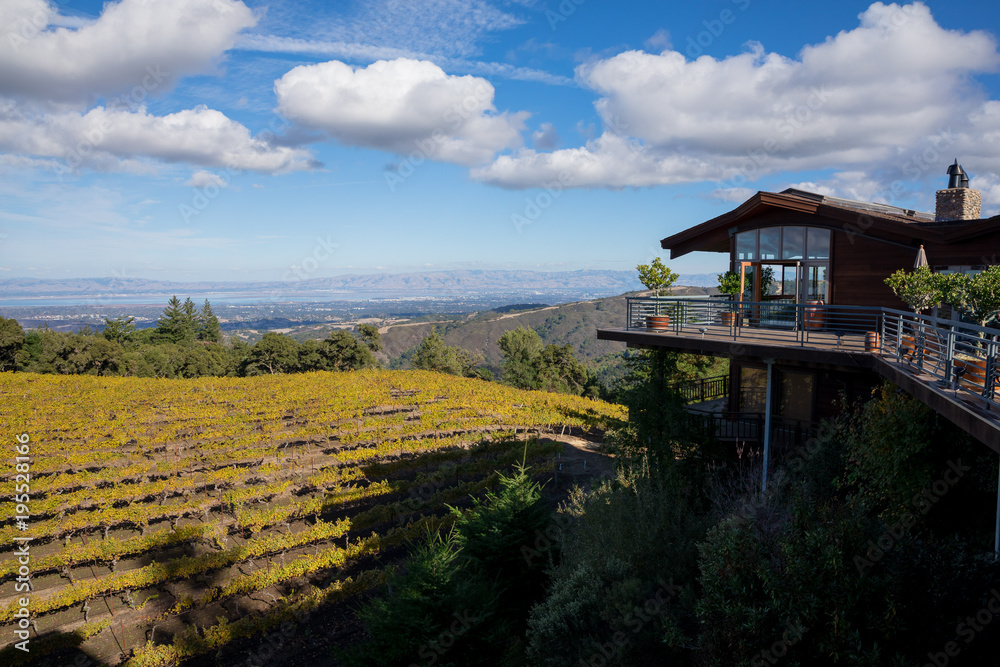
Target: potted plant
<point>976,296</point>
<point>657,277</point>
<point>919,289</point>
<point>729,283</point>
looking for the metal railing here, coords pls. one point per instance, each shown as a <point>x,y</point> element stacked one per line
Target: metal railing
<point>749,427</point>
<point>785,321</point>
<point>703,389</point>
<point>956,355</point>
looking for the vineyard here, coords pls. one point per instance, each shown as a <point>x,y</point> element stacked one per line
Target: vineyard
<point>174,518</point>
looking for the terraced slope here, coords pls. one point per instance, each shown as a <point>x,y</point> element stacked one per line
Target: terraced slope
<point>171,518</point>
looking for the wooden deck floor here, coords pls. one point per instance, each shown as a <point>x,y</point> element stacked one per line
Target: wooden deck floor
<point>970,412</point>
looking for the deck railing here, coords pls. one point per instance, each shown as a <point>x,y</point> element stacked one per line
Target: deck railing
<point>749,427</point>
<point>703,389</point>
<point>956,355</point>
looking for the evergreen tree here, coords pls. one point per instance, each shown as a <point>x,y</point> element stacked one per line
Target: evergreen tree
<point>521,350</point>
<point>11,339</point>
<point>170,326</point>
<point>189,319</point>
<point>120,330</point>
<point>344,352</point>
<point>209,328</point>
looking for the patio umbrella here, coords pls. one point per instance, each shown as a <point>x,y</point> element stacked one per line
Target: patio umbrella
<point>921,258</point>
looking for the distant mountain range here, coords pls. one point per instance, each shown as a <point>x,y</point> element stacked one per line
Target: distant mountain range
<point>572,284</point>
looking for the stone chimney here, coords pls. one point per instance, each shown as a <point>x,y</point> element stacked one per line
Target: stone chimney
<point>959,201</point>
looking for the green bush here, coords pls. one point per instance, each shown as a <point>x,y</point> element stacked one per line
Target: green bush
<point>463,598</point>
<point>624,582</point>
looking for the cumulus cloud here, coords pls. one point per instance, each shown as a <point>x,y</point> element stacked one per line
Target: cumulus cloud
<point>859,100</point>
<point>402,106</point>
<point>110,139</point>
<point>114,52</point>
<point>732,194</point>
<point>545,137</point>
<point>609,161</point>
<point>202,179</point>
<point>53,67</point>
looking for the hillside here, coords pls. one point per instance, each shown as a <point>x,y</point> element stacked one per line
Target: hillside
<point>176,518</point>
<point>573,324</point>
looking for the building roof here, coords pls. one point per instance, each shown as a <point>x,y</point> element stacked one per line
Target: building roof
<point>882,221</point>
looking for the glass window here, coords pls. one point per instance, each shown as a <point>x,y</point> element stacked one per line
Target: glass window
<point>753,389</point>
<point>769,242</point>
<point>789,281</point>
<point>795,395</point>
<point>793,242</point>
<point>816,284</point>
<point>818,243</point>
<point>746,245</point>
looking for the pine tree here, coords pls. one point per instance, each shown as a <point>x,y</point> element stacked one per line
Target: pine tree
<point>189,318</point>
<point>169,328</point>
<point>209,328</point>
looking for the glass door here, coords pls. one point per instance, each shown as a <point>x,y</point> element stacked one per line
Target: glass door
<point>814,284</point>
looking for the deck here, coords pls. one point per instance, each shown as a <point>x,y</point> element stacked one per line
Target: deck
<point>951,366</point>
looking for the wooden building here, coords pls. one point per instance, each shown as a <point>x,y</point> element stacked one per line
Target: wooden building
<point>833,252</point>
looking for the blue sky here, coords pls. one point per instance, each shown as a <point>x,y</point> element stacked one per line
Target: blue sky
<point>227,140</point>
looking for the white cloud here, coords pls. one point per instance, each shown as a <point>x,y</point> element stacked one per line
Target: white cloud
<point>402,106</point>
<point>609,161</point>
<point>202,178</point>
<point>545,137</point>
<point>115,52</point>
<point>737,195</point>
<point>659,41</point>
<point>859,100</point>
<point>370,53</point>
<point>108,139</point>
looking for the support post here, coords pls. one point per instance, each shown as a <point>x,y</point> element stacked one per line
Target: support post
<point>996,534</point>
<point>767,420</point>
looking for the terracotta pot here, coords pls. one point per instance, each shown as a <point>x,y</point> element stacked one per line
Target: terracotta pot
<point>658,322</point>
<point>815,317</point>
<point>873,342</point>
<point>975,371</point>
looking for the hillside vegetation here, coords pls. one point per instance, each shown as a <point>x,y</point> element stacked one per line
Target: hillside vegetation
<point>572,324</point>
<point>173,518</point>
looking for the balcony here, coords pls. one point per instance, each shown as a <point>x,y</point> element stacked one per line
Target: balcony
<point>950,365</point>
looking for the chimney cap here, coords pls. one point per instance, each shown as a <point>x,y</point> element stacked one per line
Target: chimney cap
<point>958,177</point>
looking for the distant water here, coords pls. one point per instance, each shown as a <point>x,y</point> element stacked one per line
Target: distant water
<point>249,299</point>
<point>162,300</point>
